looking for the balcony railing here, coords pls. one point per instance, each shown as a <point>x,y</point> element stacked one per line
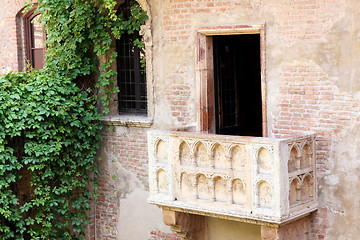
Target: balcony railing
<point>233,177</point>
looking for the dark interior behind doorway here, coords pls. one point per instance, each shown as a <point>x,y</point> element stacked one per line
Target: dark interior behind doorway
<point>237,82</point>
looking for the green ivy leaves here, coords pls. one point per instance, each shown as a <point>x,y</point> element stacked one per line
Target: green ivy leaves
<point>50,135</point>
<point>50,126</point>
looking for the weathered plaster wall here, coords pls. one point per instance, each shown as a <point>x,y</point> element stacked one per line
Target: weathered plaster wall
<point>319,91</point>
<point>122,211</point>
<point>312,59</point>
<point>231,230</point>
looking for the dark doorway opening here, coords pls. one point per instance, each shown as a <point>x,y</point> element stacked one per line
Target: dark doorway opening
<point>237,83</point>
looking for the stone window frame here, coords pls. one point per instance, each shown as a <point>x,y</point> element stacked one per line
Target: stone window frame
<point>115,118</point>
<point>205,71</point>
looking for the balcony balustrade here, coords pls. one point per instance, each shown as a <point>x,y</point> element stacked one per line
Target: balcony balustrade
<point>247,179</point>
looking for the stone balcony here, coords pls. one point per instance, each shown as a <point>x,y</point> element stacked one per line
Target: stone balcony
<point>250,179</point>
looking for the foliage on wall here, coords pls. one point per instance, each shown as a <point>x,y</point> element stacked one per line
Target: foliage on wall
<point>50,124</point>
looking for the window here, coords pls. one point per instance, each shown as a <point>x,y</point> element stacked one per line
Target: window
<point>131,71</point>
<point>35,38</point>
<point>231,80</point>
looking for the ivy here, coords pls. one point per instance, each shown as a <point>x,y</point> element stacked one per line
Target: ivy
<point>50,125</point>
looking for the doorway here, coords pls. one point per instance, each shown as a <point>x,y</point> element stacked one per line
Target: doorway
<point>237,85</point>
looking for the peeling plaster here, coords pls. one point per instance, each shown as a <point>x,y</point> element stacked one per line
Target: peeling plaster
<point>136,218</point>
<point>337,53</point>
<point>341,190</point>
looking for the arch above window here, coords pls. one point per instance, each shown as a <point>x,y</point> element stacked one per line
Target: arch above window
<point>34,40</point>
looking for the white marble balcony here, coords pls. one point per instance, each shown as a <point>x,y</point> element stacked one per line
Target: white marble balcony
<point>240,178</point>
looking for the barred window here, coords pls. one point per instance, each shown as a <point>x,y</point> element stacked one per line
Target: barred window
<point>131,71</point>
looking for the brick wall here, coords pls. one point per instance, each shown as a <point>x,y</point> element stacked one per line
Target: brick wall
<point>178,15</point>
<point>295,20</point>
<point>178,95</point>
<point>130,150</point>
<point>305,19</point>
<point>158,235</point>
<point>105,207</point>
<point>10,35</point>
<point>300,20</point>
<point>309,101</point>
<point>128,147</point>
<point>90,228</point>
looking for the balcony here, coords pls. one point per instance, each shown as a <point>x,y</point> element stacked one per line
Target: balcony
<point>249,179</point>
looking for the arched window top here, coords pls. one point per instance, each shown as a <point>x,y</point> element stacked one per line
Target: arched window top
<point>35,39</point>
<point>124,9</point>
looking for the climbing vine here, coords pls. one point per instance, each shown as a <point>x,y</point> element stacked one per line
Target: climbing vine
<point>50,124</point>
